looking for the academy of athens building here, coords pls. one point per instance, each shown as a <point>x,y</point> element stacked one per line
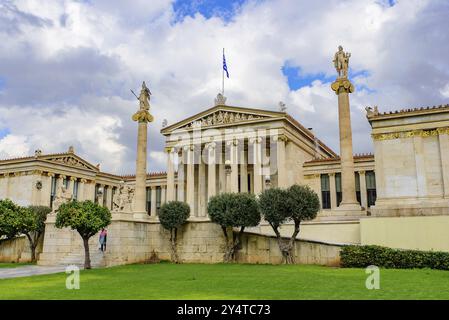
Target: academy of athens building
<point>405,184</point>
<point>396,197</point>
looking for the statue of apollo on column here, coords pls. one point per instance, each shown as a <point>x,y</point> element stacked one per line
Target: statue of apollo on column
<point>341,62</point>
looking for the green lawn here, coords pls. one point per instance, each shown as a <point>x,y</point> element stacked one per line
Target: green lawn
<point>230,281</point>
<point>14,265</point>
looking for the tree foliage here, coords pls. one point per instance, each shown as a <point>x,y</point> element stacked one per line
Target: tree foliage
<point>278,206</point>
<point>10,214</point>
<point>16,220</point>
<point>173,215</point>
<point>233,210</point>
<point>85,217</point>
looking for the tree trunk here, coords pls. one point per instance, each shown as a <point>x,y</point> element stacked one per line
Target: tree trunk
<point>174,251</point>
<point>232,243</point>
<point>86,253</point>
<point>32,247</point>
<point>229,247</point>
<point>286,247</point>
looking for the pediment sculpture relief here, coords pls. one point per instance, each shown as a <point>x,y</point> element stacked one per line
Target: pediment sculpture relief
<point>70,161</point>
<point>222,117</point>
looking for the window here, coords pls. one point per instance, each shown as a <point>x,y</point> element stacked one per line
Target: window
<point>65,182</point>
<point>114,190</point>
<point>338,187</point>
<point>105,195</point>
<point>52,191</point>
<point>158,199</point>
<point>97,187</point>
<point>371,188</point>
<point>148,202</point>
<point>325,192</point>
<point>357,188</point>
<point>75,190</point>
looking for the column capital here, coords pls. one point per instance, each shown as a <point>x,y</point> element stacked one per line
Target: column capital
<point>253,140</point>
<point>169,149</point>
<point>50,174</point>
<point>73,178</point>
<point>280,137</point>
<point>361,172</point>
<point>331,174</point>
<point>342,85</point>
<point>83,180</point>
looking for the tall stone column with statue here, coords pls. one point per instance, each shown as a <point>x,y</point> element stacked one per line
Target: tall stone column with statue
<point>343,87</point>
<point>142,116</point>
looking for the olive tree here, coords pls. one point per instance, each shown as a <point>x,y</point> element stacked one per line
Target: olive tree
<point>233,210</point>
<point>296,204</point>
<point>173,215</point>
<point>85,217</point>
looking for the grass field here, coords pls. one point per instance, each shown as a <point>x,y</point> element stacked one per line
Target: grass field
<point>230,281</point>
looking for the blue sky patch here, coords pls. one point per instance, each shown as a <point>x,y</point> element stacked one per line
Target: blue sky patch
<point>298,79</point>
<point>4,132</point>
<point>224,9</point>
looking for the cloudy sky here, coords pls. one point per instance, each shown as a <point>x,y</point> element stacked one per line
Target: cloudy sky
<point>67,67</point>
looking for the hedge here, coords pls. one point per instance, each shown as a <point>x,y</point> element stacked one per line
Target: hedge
<point>362,256</point>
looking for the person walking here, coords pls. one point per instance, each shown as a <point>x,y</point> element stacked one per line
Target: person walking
<point>103,238</point>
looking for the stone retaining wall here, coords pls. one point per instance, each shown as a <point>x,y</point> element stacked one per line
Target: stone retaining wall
<point>131,241</point>
<point>17,250</point>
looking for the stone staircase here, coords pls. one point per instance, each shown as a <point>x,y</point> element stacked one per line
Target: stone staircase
<point>97,259</point>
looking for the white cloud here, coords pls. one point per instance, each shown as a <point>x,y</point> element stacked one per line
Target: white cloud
<point>13,146</point>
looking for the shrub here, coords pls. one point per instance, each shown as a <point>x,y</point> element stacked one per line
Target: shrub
<point>362,256</point>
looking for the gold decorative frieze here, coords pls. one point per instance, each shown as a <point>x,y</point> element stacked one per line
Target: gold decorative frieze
<point>410,134</point>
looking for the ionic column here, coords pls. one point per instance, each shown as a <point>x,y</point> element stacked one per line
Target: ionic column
<point>170,174</point>
<point>71,185</point>
<point>81,190</point>
<point>181,175</point>
<point>108,197</point>
<point>333,190</point>
<point>163,194</point>
<point>363,195</point>
<point>221,170</point>
<point>101,194</point>
<point>444,152</point>
<point>257,174</point>
<point>211,174</point>
<point>190,194</point>
<point>343,87</point>
<point>142,117</point>
<point>243,169</point>
<point>280,159</point>
<point>234,175</point>
<point>202,199</point>
<point>153,202</point>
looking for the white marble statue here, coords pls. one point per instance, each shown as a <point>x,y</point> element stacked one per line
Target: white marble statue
<point>122,200</point>
<point>341,62</point>
<point>62,196</point>
<point>144,97</point>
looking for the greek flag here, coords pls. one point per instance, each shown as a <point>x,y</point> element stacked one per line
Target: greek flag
<point>225,67</point>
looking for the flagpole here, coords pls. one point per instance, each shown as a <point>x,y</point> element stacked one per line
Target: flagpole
<point>222,76</point>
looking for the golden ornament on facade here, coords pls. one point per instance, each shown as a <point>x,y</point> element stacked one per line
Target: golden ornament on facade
<point>410,134</point>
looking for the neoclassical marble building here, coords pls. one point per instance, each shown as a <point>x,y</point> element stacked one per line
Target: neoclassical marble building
<point>396,197</point>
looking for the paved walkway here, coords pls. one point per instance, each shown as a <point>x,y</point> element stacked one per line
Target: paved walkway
<point>27,271</point>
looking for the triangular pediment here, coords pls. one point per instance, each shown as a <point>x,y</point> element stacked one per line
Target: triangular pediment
<point>69,159</point>
<point>222,116</point>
